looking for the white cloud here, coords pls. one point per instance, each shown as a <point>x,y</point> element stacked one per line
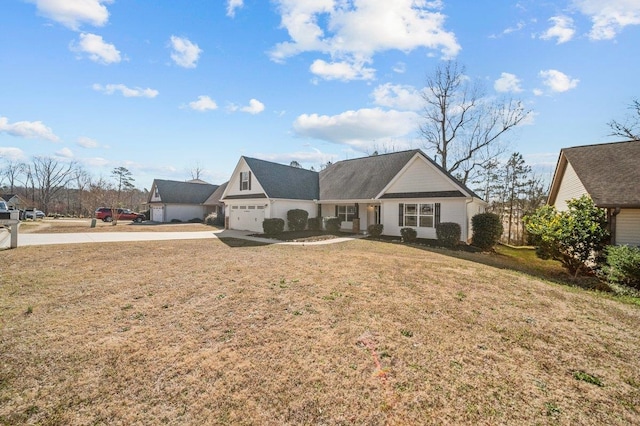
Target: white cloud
<point>507,83</point>
<point>204,103</point>
<point>65,153</point>
<point>11,153</point>
<point>398,96</point>
<point>232,5</point>
<point>354,31</point>
<point>97,49</point>
<point>609,17</point>
<point>127,92</point>
<point>341,70</point>
<point>362,129</point>
<point>86,142</point>
<point>72,14</point>
<point>27,129</point>
<point>400,68</point>
<point>184,53</point>
<point>563,29</point>
<point>558,81</point>
<point>254,107</point>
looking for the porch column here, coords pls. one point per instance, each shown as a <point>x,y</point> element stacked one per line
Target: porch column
<point>356,220</point>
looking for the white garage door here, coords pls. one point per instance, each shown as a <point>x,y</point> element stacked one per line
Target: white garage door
<point>246,218</point>
<point>157,214</point>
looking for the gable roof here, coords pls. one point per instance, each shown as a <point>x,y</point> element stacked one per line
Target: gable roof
<point>280,181</point>
<point>367,177</point>
<point>609,172</point>
<point>176,192</point>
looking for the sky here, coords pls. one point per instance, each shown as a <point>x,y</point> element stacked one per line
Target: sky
<point>167,87</point>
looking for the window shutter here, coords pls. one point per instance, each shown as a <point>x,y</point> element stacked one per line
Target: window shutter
<point>437,218</point>
<point>336,211</point>
<point>401,215</point>
<point>249,181</point>
<point>240,187</point>
<point>357,210</point>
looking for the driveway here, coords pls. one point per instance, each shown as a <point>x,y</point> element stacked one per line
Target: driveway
<point>111,237</point>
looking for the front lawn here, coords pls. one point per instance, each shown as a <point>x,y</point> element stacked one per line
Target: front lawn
<point>363,332</point>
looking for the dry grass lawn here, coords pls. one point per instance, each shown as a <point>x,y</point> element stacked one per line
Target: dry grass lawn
<point>364,332</point>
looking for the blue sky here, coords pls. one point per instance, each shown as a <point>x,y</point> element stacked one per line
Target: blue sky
<point>163,87</point>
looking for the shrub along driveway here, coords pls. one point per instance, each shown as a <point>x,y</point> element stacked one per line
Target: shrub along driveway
<point>203,332</point>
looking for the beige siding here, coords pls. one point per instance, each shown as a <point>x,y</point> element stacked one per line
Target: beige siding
<point>450,211</point>
<point>279,208</point>
<point>570,187</point>
<point>421,176</point>
<point>628,227</point>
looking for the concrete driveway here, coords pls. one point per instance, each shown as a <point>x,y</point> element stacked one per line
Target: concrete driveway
<point>111,237</point>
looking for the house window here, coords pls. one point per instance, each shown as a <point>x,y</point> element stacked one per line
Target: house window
<point>418,215</point>
<point>245,181</point>
<point>346,213</point>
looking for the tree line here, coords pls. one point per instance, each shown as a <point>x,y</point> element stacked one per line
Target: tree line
<point>67,188</point>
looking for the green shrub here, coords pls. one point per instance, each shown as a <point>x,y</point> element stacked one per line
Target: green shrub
<point>408,234</point>
<point>622,265</point>
<point>487,230</point>
<point>448,233</point>
<point>176,221</point>
<point>297,219</point>
<point>313,223</point>
<point>333,225</point>
<point>375,230</point>
<point>195,220</point>
<point>273,226</point>
<point>214,219</point>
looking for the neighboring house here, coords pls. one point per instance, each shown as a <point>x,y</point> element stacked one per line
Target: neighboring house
<point>171,200</point>
<point>610,175</point>
<point>15,201</point>
<point>214,203</point>
<point>403,189</point>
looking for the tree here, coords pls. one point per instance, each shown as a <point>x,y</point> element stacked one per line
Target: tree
<point>630,128</point>
<point>516,180</point>
<point>460,125</point>
<point>196,171</point>
<point>576,237</point>
<point>124,180</point>
<point>12,171</point>
<point>51,176</point>
<point>295,164</point>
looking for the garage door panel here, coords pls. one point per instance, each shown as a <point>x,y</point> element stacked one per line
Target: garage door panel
<point>246,217</point>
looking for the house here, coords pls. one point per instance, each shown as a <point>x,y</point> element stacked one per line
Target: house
<point>610,176</point>
<point>397,190</point>
<point>214,203</point>
<point>15,201</point>
<point>171,201</point>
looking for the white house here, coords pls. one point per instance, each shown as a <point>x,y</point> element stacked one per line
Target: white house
<point>609,174</point>
<point>171,200</point>
<point>397,190</point>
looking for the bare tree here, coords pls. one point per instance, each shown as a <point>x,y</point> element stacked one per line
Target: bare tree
<point>12,171</point>
<point>460,125</point>
<point>630,128</point>
<point>196,171</point>
<point>51,176</point>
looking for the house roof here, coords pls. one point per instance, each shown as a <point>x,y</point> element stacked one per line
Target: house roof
<point>368,176</point>
<point>176,192</point>
<point>217,195</point>
<point>280,181</point>
<point>609,172</point>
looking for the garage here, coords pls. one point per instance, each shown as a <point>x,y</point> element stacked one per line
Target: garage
<point>246,217</point>
<point>157,214</point>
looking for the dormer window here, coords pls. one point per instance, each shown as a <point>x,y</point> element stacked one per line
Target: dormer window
<point>245,181</point>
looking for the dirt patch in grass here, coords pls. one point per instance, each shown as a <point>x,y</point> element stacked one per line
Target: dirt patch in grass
<point>364,332</point>
<point>303,236</point>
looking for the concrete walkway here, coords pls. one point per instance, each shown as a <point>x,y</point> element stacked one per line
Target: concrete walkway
<point>111,237</point>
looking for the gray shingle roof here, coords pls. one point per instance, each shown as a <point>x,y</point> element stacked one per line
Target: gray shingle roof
<point>609,172</point>
<point>365,178</point>
<point>175,192</point>
<point>280,181</point>
<point>217,195</point>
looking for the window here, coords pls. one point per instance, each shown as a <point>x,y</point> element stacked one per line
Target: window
<point>419,215</point>
<point>346,213</point>
<point>245,181</point>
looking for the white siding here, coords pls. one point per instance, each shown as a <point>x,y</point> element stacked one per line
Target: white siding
<point>233,187</point>
<point>421,176</point>
<point>450,211</point>
<point>628,227</point>
<point>183,213</point>
<point>570,187</point>
<point>364,211</point>
<point>279,208</point>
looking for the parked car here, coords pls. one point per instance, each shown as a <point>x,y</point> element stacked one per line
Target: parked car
<point>105,214</point>
<point>34,214</point>
<point>3,206</point>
